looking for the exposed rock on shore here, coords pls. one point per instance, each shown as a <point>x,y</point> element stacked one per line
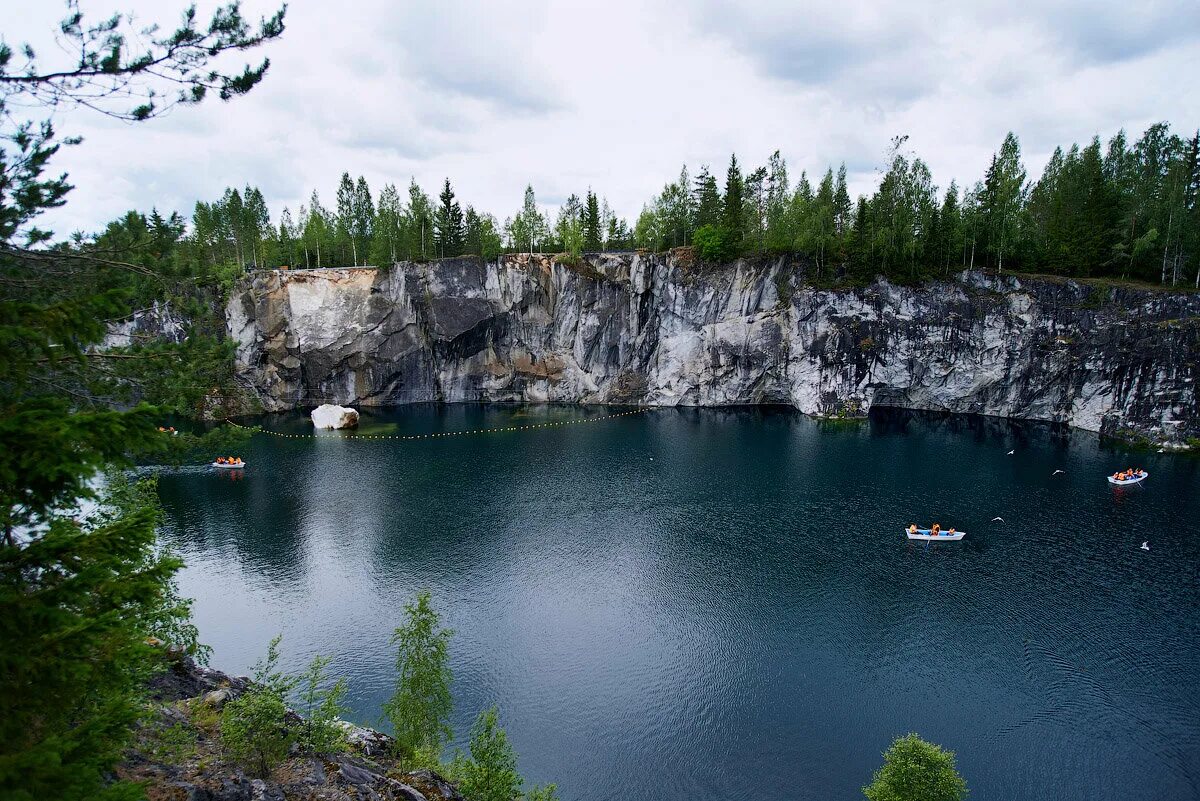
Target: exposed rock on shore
<point>658,330</point>
<point>179,756</point>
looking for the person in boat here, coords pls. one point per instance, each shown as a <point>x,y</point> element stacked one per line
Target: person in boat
<point>951,530</point>
<point>936,530</point>
<point>912,528</point>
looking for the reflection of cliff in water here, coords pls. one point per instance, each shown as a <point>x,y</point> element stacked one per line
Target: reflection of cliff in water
<point>247,515</point>
<point>889,421</point>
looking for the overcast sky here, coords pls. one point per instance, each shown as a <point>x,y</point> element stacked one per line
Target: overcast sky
<point>617,95</point>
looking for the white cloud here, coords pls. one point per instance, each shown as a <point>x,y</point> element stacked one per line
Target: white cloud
<point>617,95</point>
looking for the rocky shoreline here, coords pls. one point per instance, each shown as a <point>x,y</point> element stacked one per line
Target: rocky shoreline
<point>178,755</point>
<point>660,330</point>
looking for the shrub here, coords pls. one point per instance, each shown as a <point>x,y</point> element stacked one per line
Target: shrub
<point>711,242</point>
<point>543,792</point>
<point>420,707</point>
<point>322,706</point>
<point>914,770</point>
<point>254,726</point>
<point>490,774</point>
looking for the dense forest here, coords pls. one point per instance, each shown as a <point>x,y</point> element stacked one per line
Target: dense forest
<point>1119,211</point>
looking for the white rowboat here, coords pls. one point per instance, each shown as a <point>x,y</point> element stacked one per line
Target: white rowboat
<point>926,534</point>
<point>224,466</point>
<point>1123,482</point>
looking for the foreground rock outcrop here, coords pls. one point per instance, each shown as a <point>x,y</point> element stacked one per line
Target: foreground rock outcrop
<point>660,330</point>
<point>178,755</point>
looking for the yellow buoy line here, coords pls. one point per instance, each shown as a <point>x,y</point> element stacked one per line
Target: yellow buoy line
<point>443,434</point>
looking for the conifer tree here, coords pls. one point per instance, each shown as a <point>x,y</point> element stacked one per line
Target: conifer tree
<point>448,224</point>
<point>733,202</point>
<point>592,232</point>
<point>80,594</point>
<point>707,199</point>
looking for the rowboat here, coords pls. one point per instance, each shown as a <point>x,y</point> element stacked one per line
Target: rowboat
<point>225,466</point>
<point>1121,482</point>
<point>941,536</point>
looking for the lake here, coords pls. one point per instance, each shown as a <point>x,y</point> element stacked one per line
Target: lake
<point>694,603</point>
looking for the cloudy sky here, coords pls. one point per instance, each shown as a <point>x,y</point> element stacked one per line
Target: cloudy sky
<point>617,95</point>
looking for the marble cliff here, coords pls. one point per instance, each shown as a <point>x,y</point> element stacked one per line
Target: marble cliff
<point>660,330</point>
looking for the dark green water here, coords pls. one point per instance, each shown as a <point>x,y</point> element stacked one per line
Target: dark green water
<point>704,604</point>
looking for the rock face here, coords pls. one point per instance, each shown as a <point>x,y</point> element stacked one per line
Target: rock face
<point>178,754</point>
<point>659,330</point>
<point>328,415</point>
<point>159,323</point>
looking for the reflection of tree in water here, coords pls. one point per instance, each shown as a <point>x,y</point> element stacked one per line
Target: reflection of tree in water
<point>253,515</point>
<point>887,421</point>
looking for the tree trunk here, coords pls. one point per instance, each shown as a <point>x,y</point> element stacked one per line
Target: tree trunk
<point>1167,246</point>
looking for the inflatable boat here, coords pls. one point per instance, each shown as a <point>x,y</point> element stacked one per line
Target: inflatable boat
<point>225,466</point>
<point>1121,482</point>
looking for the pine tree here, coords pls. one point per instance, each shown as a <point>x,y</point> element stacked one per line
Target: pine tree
<point>733,211</point>
<point>707,199</point>
<point>448,224</point>
<point>80,593</point>
<point>592,231</point>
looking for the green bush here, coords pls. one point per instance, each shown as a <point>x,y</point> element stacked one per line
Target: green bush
<point>914,770</point>
<point>490,773</point>
<point>254,726</point>
<point>712,243</point>
<point>321,707</point>
<point>543,792</point>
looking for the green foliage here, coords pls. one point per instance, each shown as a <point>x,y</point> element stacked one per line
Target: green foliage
<point>254,728</point>
<point>172,744</point>
<point>448,228</point>
<point>81,594</point>
<point>569,229</point>
<point>914,770</point>
<point>490,772</point>
<point>78,599</point>
<point>711,243</point>
<point>321,705</point>
<point>420,706</point>
<point>184,447</point>
<point>543,792</point>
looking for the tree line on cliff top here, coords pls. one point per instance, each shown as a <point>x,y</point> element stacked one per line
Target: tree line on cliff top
<point>1122,210</point>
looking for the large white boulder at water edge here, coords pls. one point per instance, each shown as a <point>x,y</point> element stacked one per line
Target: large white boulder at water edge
<point>328,415</point>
